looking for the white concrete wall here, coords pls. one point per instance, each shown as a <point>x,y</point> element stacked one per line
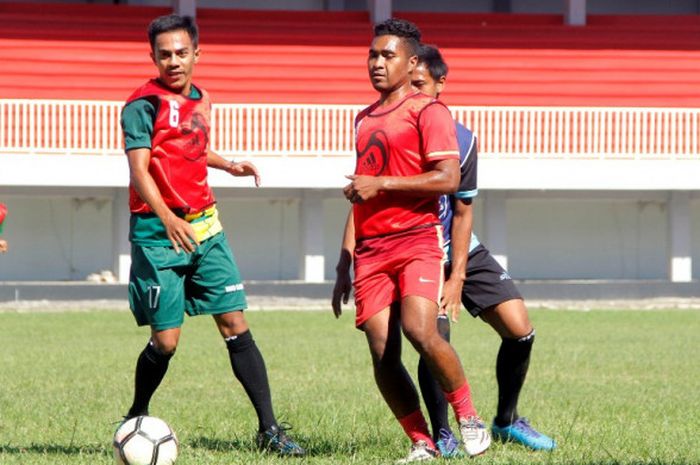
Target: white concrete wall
<point>550,235</point>
<point>608,229</point>
<point>695,234</point>
<point>587,238</point>
<point>336,212</point>
<point>264,236</point>
<point>56,237</point>
<point>68,237</point>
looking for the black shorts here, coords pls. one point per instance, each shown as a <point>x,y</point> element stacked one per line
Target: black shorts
<point>487,284</point>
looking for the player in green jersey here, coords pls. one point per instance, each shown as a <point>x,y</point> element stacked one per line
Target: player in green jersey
<point>181,260</point>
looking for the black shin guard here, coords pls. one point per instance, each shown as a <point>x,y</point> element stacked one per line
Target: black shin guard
<point>432,393</point>
<point>249,368</point>
<point>150,370</point>
<point>511,368</point>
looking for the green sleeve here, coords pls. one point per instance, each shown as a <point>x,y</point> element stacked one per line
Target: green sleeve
<point>137,124</point>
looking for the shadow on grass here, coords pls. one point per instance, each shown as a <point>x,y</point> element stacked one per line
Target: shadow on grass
<point>317,447</point>
<point>55,449</point>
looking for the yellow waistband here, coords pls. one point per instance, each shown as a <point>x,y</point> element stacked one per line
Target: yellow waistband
<point>206,212</point>
<point>206,223</point>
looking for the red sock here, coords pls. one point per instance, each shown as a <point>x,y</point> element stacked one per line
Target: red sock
<point>416,428</point>
<point>461,402</point>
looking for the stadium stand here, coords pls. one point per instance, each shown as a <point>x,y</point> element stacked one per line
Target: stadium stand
<point>97,52</point>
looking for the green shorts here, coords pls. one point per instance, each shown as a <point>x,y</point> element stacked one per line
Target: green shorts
<point>163,285</point>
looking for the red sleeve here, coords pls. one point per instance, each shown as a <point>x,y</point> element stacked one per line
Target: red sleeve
<point>438,133</point>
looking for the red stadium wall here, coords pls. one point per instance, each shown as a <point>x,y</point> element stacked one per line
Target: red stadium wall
<point>99,52</point>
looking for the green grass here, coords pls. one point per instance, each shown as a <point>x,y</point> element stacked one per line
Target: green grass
<point>611,387</point>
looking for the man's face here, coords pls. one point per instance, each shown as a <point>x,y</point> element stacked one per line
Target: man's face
<point>389,63</point>
<point>175,56</point>
<point>424,82</point>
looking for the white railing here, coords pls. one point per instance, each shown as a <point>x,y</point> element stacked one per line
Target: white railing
<point>284,130</point>
<point>277,130</point>
<point>584,132</point>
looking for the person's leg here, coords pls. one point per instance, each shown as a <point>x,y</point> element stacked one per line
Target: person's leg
<point>418,316</point>
<point>157,299</point>
<point>216,288</point>
<point>377,314</point>
<point>383,335</point>
<point>511,322</point>
<point>430,389</point>
<point>151,367</point>
<point>420,277</point>
<point>247,364</point>
<point>435,401</point>
<point>249,368</point>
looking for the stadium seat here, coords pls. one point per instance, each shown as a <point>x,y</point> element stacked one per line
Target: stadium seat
<point>99,52</point>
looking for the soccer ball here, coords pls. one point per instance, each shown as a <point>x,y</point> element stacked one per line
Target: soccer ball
<point>145,441</point>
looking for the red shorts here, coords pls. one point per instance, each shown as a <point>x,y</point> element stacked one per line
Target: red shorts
<point>392,267</point>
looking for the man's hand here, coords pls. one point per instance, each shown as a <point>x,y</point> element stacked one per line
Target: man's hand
<point>244,168</point>
<point>3,246</point>
<point>341,291</point>
<point>451,301</point>
<point>362,187</point>
<point>181,234</point>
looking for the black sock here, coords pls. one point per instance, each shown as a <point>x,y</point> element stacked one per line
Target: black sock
<point>511,367</point>
<point>432,393</point>
<point>249,368</point>
<point>150,370</point>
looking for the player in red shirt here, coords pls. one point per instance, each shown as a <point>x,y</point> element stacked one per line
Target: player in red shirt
<point>407,156</point>
<point>3,214</point>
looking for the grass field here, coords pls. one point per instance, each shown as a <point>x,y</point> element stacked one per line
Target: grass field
<point>615,387</point>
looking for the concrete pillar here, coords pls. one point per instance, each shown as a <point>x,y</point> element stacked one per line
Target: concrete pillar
<point>334,5</point>
<point>311,225</point>
<point>379,10</point>
<point>575,12</point>
<point>495,226</point>
<point>680,241</point>
<point>121,248</point>
<point>502,6</point>
<point>185,7</point>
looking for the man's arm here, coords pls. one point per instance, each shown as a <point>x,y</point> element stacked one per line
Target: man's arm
<point>343,282</point>
<point>443,178</point>
<point>461,233</point>
<point>244,168</point>
<point>179,231</point>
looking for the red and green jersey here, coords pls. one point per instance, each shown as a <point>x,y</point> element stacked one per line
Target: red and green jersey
<point>401,140</point>
<point>3,214</point>
<point>179,140</point>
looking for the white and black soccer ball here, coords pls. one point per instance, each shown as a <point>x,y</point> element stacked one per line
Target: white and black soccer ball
<point>145,440</point>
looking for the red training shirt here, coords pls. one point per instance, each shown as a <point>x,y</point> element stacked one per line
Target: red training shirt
<point>179,146</point>
<point>401,140</point>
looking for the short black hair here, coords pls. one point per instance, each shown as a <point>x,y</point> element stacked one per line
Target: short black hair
<point>430,56</point>
<point>408,31</point>
<point>173,22</point>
